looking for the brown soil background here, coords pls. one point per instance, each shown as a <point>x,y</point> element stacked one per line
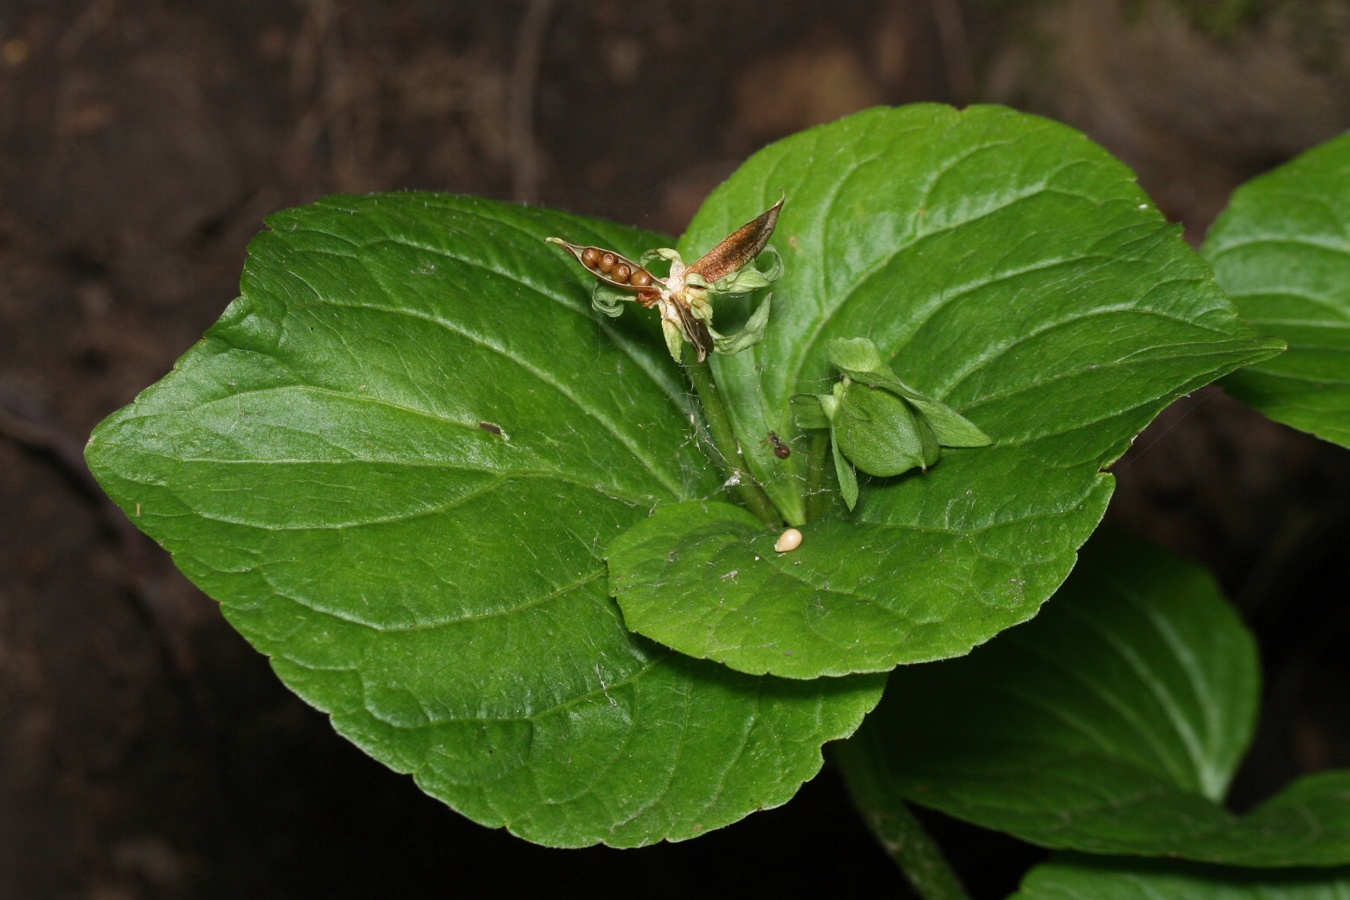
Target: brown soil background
<point>146,751</point>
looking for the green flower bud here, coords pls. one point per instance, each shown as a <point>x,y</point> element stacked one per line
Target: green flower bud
<point>878,423</point>
<point>880,433</point>
<point>860,360</point>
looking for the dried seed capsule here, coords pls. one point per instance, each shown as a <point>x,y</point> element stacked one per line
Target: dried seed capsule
<point>738,248</point>
<point>615,270</point>
<point>788,541</point>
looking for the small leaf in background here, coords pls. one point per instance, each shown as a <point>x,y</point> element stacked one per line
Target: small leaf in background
<point>322,464</point>
<point>1111,724</point>
<point>1282,251</point>
<point>1007,268</point>
<point>1073,876</point>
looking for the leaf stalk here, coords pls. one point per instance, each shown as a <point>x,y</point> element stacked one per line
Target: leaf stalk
<point>889,818</point>
<point>817,498</point>
<point>742,484</point>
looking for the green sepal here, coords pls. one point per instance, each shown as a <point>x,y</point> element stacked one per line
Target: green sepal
<point>696,295</point>
<point>674,338</point>
<point>808,413</point>
<point>656,253</point>
<point>855,355</point>
<point>609,300</point>
<point>848,479</point>
<point>749,336</point>
<point>951,428</point>
<point>750,278</point>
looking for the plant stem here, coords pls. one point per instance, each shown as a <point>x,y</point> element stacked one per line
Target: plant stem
<point>816,497</point>
<point>745,488</point>
<point>884,810</point>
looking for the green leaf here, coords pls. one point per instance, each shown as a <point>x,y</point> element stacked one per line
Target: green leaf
<point>1113,724</point>
<point>396,462</point>
<point>1071,876</point>
<point>674,572</point>
<point>1007,268</point>
<point>1282,250</point>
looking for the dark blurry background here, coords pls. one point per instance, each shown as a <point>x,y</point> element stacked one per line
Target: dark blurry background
<point>145,751</point>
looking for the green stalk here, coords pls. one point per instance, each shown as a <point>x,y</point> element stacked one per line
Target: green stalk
<point>745,488</point>
<point>817,499</point>
<point>902,836</point>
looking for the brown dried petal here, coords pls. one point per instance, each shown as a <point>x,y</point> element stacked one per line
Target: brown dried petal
<point>739,247</point>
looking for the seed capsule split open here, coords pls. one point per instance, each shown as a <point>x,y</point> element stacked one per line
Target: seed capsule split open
<point>682,295</point>
<point>610,267</point>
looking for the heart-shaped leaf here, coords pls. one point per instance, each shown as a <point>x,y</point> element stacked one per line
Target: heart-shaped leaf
<point>1072,876</point>
<point>1006,267</point>
<point>396,462</point>
<point>1282,250</point>
<point>1110,724</point>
